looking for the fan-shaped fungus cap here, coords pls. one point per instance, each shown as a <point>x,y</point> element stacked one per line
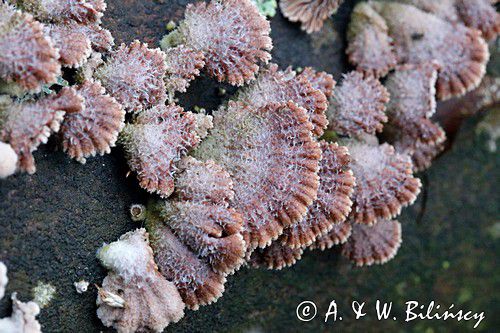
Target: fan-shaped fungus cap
<point>384,181</point>
<point>375,244</point>
<point>310,13</point>
<point>197,283</point>
<point>63,10</point>
<point>322,81</point>
<point>93,130</point>
<point>23,318</point>
<point>275,256</point>
<point>273,160</point>
<point>413,102</point>
<point>183,65</point>
<point>28,56</point>
<point>135,296</point>
<point>358,106</point>
<point>419,37</point>
<point>134,75</point>
<point>275,86</point>
<point>339,234</point>
<point>370,47</point>
<point>233,36</point>
<point>26,125</point>
<point>155,142</point>
<point>210,231</point>
<point>444,9</point>
<point>334,199</point>
<point>3,279</point>
<point>481,15</point>
<point>422,153</point>
<point>8,163</point>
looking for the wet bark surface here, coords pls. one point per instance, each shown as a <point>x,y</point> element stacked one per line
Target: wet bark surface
<point>52,222</point>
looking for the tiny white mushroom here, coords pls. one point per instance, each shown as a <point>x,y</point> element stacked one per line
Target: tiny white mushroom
<point>81,286</point>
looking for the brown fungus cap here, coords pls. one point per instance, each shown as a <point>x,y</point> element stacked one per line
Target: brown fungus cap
<point>26,125</point>
<point>134,75</point>
<point>233,36</point>
<point>339,234</point>
<point>460,52</point>
<point>94,130</point>
<point>322,81</point>
<point>183,65</point>
<point>155,142</point>
<point>28,57</point>
<point>59,11</point>
<point>275,256</point>
<point>275,86</point>
<point>375,244</point>
<point>384,180</point>
<point>358,106</point>
<point>310,13</point>
<point>273,160</point>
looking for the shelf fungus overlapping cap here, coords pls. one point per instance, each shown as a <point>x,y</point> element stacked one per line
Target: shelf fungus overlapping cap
<point>232,35</point>
<point>358,106</point>
<point>94,130</point>
<point>29,58</point>
<point>417,37</point>
<point>183,65</point>
<point>134,74</point>
<point>331,208</point>
<point>478,14</point>
<point>273,159</point>
<point>384,180</point>
<point>413,102</point>
<point>274,85</point>
<point>310,13</point>
<point>134,296</point>
<point>26,125</point>
<point>155,141</point>
<point>375,244</point>
<point>197,239</point>
<point>339,234</point>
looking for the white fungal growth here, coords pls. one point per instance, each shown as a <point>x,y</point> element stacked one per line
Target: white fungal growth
<point>8,160</point>
<point>81,286</point>
<point>22,319</point>
<point>3,279</point>
<point>43,293</point>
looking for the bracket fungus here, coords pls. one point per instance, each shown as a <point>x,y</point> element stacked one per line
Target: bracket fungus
<point>322,81</point>
<point>384,180</point>
<point>83,11</point>
<point>310,13</point>
<point>28,57</point>
<point>155,141</point>
<point>232,35</point>
<point>332,207</point>
<point>134,295</point>
<point>419,37</point>
<point>273,160</point>
<point>134,74</point>
<point>275,86</point>
<point>339,234</point>
<point>375,244</point>
<point>358,106</point>
<point>25,125</point>
<point>183,64</point>
<point>94,130</point>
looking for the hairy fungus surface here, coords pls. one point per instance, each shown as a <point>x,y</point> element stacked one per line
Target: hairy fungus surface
<point>310,13</point>
<point>83,11</point>
<point>358,106</point>
<point>275,256</point>
<point>183,65</point>
<point>233,36</point>
<point>273,160</point>
<point>94,130</point>
<point>375,244</point>
<point>422,153</point>
<point>370,48</point>
<point>23,317</point>
<point>339,234</point>
<point>28,56</point>
<point>460,52</point>
<point>25,125</point>
<point>195,279</point>
<point>134,296</point>
<point>384,181</point>
<point>275,86</point>
<point>334,199</point>
<point>134,75</point>
<point>8,164</point>
<point>322,81</point>
<point>155,142</point>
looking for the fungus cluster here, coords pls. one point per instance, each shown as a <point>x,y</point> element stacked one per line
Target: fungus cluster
<point>291,162</point>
